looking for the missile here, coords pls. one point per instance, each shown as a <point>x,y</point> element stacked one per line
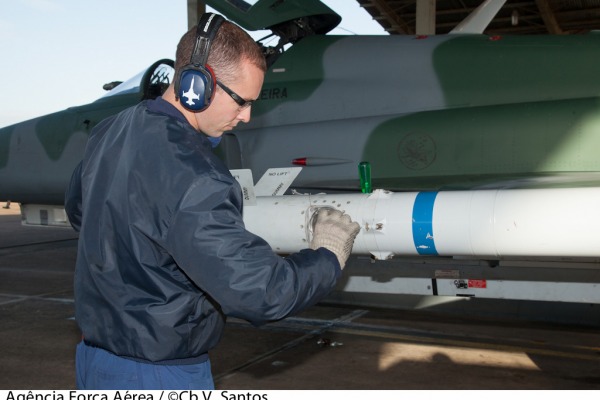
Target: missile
<point>556,222</point>
<point>561,222</point>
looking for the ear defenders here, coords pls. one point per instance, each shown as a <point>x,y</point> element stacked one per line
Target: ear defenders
<point>196,84</point>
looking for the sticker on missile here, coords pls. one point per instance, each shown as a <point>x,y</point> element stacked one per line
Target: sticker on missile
<point>244,178</point>
<point>276,181</point>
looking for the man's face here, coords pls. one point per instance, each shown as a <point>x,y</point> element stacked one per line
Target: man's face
<point>224,113</point>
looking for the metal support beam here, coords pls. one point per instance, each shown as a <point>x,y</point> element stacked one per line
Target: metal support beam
<point>548,17</point>
<point>425,17</point>
<point>195,8</point>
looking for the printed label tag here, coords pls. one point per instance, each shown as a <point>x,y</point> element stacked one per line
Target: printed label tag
<point>244,178</point>
<point>478,283</point>
<point>276,181</point>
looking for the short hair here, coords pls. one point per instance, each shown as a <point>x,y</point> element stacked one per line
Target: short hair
<point>230,46</point>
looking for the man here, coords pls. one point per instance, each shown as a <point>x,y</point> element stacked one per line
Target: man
<point>163,254</point>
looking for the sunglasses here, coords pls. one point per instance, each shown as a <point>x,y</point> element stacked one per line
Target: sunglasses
<point>243,104</point>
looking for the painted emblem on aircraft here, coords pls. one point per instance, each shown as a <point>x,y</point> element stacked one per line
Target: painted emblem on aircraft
<point>417,151</point>
<point>190,94</point>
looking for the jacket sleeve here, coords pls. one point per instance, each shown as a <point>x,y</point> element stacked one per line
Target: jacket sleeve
<point>238,269</point>
<point>73,199</point>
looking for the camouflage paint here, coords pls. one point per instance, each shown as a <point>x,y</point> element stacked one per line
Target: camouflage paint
<point>478,70</point>
<point>467,147</point>
<point>515,107</point>
<point>5,135</point>
<point>427,113</point>
<point>294,77</point>
<point>38,156</point>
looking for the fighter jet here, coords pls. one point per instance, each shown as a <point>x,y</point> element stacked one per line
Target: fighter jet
<point>471,114</point>
<point>37,156</point>
<point>190,95</point>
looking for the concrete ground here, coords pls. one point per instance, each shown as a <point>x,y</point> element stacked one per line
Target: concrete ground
<point>326,347</point>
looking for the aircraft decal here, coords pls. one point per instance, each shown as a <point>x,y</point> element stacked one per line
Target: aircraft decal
<point>417,151</point>
<point>479,146</point>
<point>190,95</point>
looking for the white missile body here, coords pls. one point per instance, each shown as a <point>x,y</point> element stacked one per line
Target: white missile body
<point>482,223</point>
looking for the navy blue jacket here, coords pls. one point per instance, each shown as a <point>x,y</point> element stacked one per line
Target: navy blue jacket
<point>163,253</point>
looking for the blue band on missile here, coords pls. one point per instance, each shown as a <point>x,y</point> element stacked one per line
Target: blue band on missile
<point>422,226</point>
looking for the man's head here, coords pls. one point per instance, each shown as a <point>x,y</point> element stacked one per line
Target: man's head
<point>238,66</point>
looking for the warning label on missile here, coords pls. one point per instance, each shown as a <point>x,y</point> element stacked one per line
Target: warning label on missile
<point>276,181</point>
<point>477,283</point>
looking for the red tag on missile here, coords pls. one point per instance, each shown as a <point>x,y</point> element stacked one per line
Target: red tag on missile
<point>478,283</point>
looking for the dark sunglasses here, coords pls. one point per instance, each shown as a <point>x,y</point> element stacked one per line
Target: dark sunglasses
<point>236,97</point>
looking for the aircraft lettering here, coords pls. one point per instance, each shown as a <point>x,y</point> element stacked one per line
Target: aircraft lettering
<point>273,94</point>
<point>277,189</point>
<point>278,173</point>
<point>246,195</point>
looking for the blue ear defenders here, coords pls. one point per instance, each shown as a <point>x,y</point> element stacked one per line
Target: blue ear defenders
<point>195,86</point>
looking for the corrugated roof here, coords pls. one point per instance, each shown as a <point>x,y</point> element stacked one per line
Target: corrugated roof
<point>515,17</point>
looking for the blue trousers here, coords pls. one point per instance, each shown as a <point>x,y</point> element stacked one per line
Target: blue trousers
<point>100,369</point>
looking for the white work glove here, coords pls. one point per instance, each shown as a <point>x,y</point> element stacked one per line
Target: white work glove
<point>335,231</point>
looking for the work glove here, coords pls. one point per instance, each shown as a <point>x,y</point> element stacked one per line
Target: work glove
<point>335,231</point>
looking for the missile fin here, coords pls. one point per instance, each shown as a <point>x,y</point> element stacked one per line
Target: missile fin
<point>244,178</point>
<point>276,181</point>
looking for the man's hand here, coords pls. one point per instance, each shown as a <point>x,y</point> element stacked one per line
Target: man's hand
<point>335,231</point>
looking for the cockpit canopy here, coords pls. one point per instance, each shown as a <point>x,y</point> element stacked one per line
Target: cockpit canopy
<point>150,83</point>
